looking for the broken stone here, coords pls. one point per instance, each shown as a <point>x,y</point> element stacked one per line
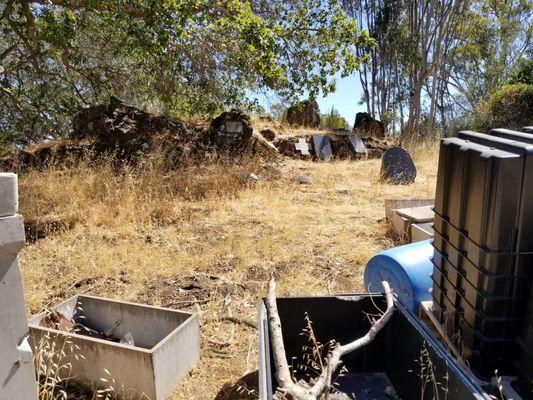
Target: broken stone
<point>305,113</point>
<point>397,167</point>
<point>322,146</point>
<point>249,176</point>
<point>269,134</point>
<point>367,126</point>
<point>302,146</point>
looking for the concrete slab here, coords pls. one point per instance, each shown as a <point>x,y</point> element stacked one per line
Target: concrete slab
<point>392,204</point>
<point>357,144</point>
<point>421,232</point>
<point>417,214</point>
<point>9,199</point>
<point>167,345</point>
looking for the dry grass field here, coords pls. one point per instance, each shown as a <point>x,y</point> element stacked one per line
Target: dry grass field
<point>201,239</point>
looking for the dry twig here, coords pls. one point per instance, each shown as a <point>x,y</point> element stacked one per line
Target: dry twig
<point>322,385</point>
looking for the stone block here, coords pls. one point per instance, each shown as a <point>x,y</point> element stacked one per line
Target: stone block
<point>9,199</point>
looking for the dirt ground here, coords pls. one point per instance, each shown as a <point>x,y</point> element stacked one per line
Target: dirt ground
<point>207,240</point>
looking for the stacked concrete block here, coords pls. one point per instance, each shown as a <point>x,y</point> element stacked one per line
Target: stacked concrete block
<point>17,372</point>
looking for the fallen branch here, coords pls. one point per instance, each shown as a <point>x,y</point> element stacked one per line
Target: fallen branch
<point>322,385</point>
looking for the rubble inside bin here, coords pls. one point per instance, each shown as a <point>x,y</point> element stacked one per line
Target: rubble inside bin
<point>58,321</point>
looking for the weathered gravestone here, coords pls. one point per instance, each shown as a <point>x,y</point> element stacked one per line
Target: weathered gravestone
<point>357,145</point>
<point>397,167</point>
<point>231,131</point>
<point>322,146</point>
<point>302,146</point>
<point>17,373</point>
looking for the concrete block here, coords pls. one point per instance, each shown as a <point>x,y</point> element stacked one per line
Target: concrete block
<point>421,232</point>
<point>393,204</point>
<point>417,214</point>
<point>9,198</point>
<point>167,345</point>
<point>400,226</point>
<point>17,373</point>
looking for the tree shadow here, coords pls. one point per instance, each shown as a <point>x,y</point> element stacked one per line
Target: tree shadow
<point>246,388</point>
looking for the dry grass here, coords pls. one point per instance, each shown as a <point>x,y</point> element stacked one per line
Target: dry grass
<point>141,235</point>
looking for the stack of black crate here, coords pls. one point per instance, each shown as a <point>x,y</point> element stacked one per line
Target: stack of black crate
<point>483,258</point>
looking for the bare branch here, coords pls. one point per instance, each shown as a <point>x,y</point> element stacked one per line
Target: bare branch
<point>323,385</point>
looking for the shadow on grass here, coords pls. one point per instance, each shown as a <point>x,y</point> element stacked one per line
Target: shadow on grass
<point>246,388</point>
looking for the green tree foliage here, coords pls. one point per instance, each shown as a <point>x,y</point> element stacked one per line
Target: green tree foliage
<point>333,120</point>
<point>179,56</point>
<point>523,73</point>
<point>509,107</point>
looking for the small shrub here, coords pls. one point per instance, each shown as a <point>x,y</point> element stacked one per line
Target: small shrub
<point>509,107</point>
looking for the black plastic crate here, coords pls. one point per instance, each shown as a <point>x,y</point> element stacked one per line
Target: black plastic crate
<point>496,262</point>
<point>470,320</point>
<point>525,364</point>
<point>486,282</point>
<point>478,192</point>
<point>399,352</point>
<point>523,227</point>
<point>513,135</point>
<point>488,306</point>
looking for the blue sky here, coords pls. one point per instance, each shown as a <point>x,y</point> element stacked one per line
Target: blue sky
<point>345,99</point>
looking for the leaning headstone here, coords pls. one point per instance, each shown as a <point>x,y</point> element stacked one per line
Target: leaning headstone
<point>322,146</point>
<point>357,144</point>
<point>17,372</point>
<point>302,146</point>
<point>397,167</point>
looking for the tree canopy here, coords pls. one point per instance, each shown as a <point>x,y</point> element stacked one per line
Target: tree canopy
<point>179,56</point>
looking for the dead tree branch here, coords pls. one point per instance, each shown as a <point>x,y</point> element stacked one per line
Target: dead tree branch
<point>322,385</point>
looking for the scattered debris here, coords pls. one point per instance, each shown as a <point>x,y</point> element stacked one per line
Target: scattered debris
<point>249,177</point>
<point>305,113</point>
<point>303,179</point>
<point>397,167</point>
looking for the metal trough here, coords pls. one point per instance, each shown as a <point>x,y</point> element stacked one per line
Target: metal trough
<point>166,345</point>
<point>403,362</point>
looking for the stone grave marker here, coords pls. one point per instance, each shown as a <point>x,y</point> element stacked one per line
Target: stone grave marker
<point>357,144</point>
<point>302,146</point>
<point>322,146</point>
<point>397,167</point>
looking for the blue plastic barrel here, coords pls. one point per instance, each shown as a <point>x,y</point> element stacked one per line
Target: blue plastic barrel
<point>408,270</point>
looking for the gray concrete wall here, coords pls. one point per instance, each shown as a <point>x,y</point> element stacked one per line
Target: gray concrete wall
<point>17,372</point>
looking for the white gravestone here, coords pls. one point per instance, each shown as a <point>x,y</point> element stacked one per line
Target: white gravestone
<point>17,372</point>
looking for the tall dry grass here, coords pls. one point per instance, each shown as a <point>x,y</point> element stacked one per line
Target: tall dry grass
<point>139,234</point>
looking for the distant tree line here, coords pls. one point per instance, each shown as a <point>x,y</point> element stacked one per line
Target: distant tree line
<point>435,62</point>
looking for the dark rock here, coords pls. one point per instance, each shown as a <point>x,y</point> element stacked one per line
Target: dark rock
<point>367,126</point>
<point>231,132</point>
<point>305,113</point>
<point>397,167</point>
<point>322,146</point>
<point>269,134</point>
